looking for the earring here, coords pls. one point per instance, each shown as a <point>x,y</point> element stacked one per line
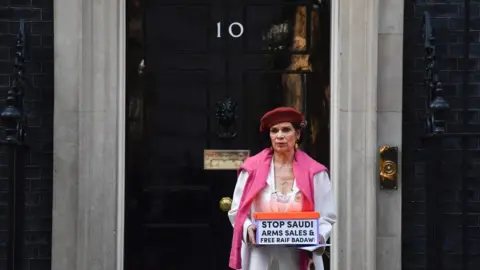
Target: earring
<point>296,144</point>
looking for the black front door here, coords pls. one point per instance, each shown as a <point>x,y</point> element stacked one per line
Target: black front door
<point>199,55</point>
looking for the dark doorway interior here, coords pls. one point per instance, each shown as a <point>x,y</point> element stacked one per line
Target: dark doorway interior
<point>178,73</point>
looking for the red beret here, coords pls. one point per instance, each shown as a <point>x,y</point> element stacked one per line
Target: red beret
<point>280,115</point>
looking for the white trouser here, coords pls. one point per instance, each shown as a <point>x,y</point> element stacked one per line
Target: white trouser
<point>274,258</point>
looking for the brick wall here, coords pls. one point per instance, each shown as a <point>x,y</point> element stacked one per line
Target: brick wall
<point>448,19</point>
<point>39,106</point>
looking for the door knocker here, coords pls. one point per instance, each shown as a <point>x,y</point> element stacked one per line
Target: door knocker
<point>226,113</point>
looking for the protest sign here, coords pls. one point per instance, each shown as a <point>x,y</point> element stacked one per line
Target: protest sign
<point>291,228</point>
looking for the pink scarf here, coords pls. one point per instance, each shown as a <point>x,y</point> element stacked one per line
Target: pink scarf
<point>258,167</point>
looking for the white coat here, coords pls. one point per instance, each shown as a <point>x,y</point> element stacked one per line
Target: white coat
<point>284,258</point>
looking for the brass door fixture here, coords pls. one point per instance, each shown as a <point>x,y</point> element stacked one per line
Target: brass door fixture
<point>388,167</point>
<point>225,204</point>
<point>226,112</point>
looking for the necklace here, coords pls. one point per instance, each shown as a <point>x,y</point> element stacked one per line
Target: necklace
<point>281,166</point>
<point>281,181</point>
<point>282,199</point>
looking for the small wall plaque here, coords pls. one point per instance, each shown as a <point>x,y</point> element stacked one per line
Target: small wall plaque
<point>224,159</point>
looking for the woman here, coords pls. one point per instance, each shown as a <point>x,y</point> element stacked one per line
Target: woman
<point>281,178</point>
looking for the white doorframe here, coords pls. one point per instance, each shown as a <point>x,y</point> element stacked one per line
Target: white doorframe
<point>89,134</point>
<point>354,51</point>
<point>122,129</point>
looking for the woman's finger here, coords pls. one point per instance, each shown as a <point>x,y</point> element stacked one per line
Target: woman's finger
<point>251,234</point>
<point>319,251</point>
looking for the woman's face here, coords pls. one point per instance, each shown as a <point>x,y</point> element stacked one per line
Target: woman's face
<point>283,137</point>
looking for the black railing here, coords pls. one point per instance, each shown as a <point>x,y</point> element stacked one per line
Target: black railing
<point>435,125</point>
<point>436,107</point>
<point>436,137</point>
<point>13,123</point>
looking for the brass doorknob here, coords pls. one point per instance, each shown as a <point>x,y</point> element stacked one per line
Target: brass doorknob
<point>225,204</point>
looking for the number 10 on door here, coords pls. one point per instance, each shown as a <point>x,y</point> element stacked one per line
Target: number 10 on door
<point>235,29</point>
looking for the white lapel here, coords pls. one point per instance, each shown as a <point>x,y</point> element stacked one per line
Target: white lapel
<point>271,176</point>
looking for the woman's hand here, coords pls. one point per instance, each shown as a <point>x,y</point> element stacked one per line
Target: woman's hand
<point>319,251</point>
<point>251,234</point>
